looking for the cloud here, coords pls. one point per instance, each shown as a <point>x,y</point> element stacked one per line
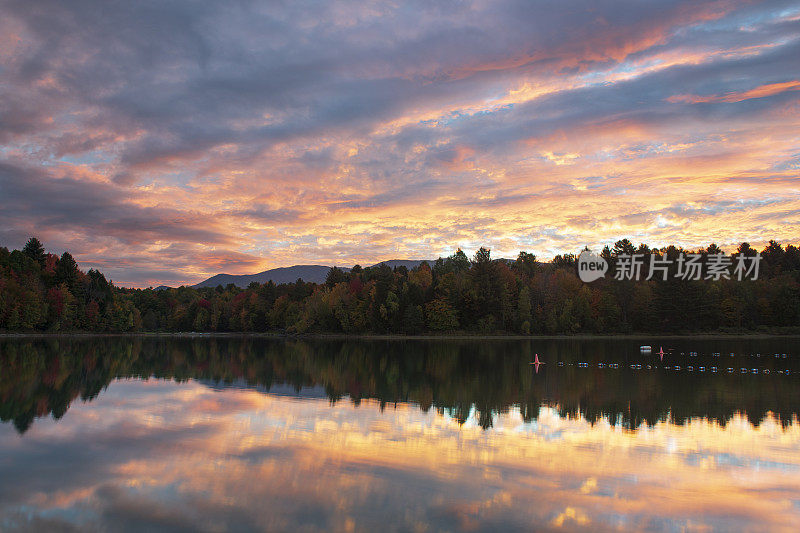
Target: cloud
<point>69,203</point>
<point>761,91</point>
<point>155,454</point>
<point>324,131</point>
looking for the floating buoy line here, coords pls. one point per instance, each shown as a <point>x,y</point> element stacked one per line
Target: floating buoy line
<point>694,368</point>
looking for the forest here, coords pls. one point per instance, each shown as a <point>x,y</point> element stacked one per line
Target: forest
<point>43,292</point>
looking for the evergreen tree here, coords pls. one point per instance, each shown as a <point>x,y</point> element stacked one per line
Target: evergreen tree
<point>34,249</point>
<point>67,270</point>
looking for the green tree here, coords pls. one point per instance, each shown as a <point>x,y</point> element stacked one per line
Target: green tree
<point>335,275</point>
<point>524,311</point>
<point>440,315</point>
<point>413,319</point>
<point>34,249</point>
<point>525,264</point>
<point>487,285</point>
<point>623,247</point>
<point>67,271</point>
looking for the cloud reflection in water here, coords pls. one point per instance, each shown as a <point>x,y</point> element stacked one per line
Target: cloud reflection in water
<point>163,455</point>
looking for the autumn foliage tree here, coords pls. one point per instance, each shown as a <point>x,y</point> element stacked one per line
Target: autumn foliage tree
<point>44,292</point>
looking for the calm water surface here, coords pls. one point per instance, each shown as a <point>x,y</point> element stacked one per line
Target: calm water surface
<point>227,434</point>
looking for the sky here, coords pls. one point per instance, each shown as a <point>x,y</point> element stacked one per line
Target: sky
<point>163,142</point>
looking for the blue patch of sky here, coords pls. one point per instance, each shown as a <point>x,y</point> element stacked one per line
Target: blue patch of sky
<point>88,159</point>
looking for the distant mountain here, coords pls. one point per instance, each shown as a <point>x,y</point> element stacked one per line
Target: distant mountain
<point>311,273</point>
<point>275,389</point>
<point>308,273</point>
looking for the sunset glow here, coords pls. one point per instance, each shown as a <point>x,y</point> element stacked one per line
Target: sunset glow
<point>167,142</point>
<point>267,461</point>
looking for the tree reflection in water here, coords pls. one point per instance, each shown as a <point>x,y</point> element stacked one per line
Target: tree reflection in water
<point>44,376</point>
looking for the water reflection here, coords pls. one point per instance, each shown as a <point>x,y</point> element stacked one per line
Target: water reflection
<point>398,436</point>
<point>594,379</point>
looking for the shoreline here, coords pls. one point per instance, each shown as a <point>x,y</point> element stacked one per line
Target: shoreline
<point>396,337</point>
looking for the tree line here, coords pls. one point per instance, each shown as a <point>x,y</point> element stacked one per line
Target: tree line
<point>44,292</point>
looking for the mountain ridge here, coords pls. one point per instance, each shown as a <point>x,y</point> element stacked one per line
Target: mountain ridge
<point>308,273</point>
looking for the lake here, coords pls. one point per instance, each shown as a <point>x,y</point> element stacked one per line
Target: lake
<point>256,434</point>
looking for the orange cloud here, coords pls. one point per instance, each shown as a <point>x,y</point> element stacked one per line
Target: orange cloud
<point>489,124</point>
<point>204,448</point>
<point>761,91</point>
